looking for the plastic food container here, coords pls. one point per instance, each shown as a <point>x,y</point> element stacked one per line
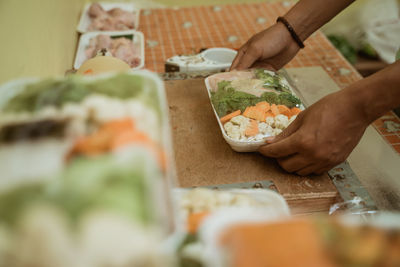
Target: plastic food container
<point>269,203</point>
<point>85,20</point>
<point>136,37</point>
<point>110,225</point>
<point>239,145</point>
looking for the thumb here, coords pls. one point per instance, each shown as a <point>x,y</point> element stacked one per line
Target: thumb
<point>292,128</point>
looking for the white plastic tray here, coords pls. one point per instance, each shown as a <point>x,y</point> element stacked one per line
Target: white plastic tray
<point>85,20</point>
<point>138,40</point>
<point>238,146</point>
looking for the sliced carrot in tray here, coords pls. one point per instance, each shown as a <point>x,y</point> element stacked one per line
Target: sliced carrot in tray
<point>254,113</point>
<point>264,106</point>
<point>295,111</point>
<point>269,114</point>
<point>252,129</point>
<point>274,110</point>
<point>284,110</point>
<point>228,117</point>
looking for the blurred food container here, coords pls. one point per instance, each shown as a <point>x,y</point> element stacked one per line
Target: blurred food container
<point>86,165</point>
<point>84,42</point>
<point>85,20</point>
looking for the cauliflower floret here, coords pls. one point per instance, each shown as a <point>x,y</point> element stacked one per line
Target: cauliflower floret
<point>270,121</point>
<point>292,119</point>
<point>242,122</point>
<point>239,120</point>
<point>265,129</point>
<point>277,131</point>
<point>281,121</point>
<point>233,131</point>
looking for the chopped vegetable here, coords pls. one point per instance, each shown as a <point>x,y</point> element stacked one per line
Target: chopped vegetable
<point>255,113</point>
<point>264,106</point>
<point>284,110</point>
<point>252,129</point>
<point>274,110</point>
<point>228,117</point>
<point>195,219</point>
<point>295,111</point>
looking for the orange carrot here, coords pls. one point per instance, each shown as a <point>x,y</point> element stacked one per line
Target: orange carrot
<point>255,113</point>
<point>265,106</point>
<point>246,111</point>
<point>295,111</point>
<point>284,110</point>
<point>194,220</point>
<point>252,129</point>
<point>274,110</point>
<point>269,114</point>
<point>228,117</point>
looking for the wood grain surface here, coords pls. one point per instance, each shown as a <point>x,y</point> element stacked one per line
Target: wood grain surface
<point>204,158</point>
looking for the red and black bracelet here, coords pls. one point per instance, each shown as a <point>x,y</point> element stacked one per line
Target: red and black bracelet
<point>294,35</point>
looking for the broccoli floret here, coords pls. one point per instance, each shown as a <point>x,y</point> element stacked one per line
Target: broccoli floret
<point>289,100</point>
<point>224,85</point>
<point>270,97</point>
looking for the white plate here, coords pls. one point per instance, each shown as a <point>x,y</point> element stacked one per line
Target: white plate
<point>138,41</point>
<point>238,146</point>
<point>85,20</point>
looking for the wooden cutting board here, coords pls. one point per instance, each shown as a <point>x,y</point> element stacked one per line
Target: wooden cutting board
<point>204,158</point>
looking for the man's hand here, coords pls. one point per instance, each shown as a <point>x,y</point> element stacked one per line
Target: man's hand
<point>269,49</point>
<point>321,137</point>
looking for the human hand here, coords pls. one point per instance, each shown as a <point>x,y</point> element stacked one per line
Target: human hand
<point>321,137</point>
<point>269,49</point>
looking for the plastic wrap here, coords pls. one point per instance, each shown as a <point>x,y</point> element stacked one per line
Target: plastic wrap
<point>251,106</point>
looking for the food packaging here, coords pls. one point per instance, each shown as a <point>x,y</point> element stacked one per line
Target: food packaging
<point>211,85</point>
<point>86,208</point>
<point>136,36</point>
<point>350,240</point>
<point>85,20</point>
<point>265,201</point>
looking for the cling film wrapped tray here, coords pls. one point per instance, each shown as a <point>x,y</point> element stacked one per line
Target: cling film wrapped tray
<point>252,105</point>
<point>86,167</point>
<point>85,20</point>
<point>136,37</point>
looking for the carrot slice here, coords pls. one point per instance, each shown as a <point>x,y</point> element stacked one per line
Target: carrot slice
<point>194,220</point>
<point>265,106</point>
<point>295,111</point>
<point>274,110</point>
<point>228,117</point>
<point>252,129</point>
<point>255,113</point>
<point>269,114</point>
<point>246,111</point>
<point>284,110</point>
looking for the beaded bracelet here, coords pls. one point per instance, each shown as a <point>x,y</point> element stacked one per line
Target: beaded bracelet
<point>291,31</point>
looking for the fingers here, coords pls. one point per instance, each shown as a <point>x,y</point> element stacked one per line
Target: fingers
<point>292,128</point>
<point>238,57</point>
<point>294,163</point>
<point>280,149</point>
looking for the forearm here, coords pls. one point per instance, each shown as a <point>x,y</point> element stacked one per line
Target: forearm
<point>307,16</point>
<point>376,94</point>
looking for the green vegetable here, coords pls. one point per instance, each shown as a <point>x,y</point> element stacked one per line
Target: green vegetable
<point>89,184</point>
<point>270,97</point>
<point>73,89</point>
<point>227,99</point>
<point>288,100</point>
<point>345,48</point>
<point>271,81</point>
<point>398,54</point>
